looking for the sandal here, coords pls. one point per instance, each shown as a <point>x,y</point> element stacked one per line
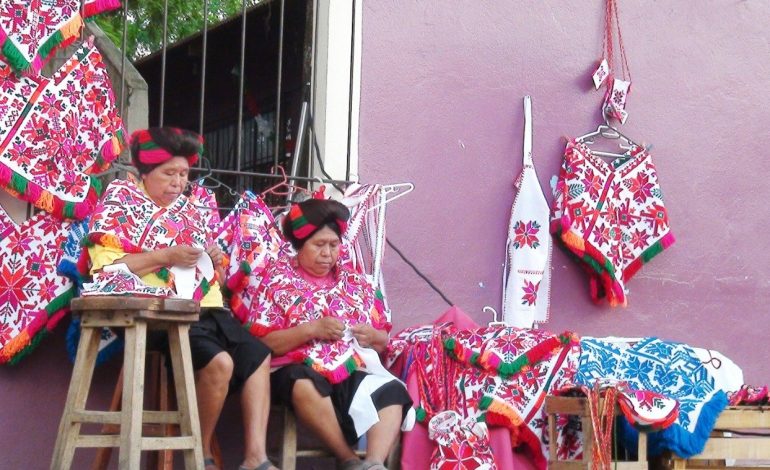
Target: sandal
<point>352,464</point>
<point>210,462</point>
<point>263,466</point>
<point>369,465</point>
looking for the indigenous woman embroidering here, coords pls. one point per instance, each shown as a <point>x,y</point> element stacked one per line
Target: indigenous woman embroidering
<point>324,324</point>
<point>146,229</point>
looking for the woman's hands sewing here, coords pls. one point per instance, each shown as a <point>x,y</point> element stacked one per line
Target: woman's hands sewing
<point>181,255</point>
<point>328,329</point>
<point>370,337</point>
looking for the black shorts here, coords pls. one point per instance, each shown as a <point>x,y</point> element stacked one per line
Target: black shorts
<point>217,331</point>
<point>392,393</point>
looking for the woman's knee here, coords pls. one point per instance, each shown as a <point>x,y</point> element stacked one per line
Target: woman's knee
<point>219,368</point>
<point>304,392</point>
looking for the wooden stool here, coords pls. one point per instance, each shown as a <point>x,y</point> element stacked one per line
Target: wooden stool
<point>135,315</point>
<point>578,406</point>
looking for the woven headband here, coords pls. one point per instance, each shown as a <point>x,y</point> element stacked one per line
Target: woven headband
<point>150,153</point>
<point>302,228</point>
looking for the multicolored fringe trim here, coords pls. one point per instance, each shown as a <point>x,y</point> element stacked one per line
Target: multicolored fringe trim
<point>66,35</point>
<point>676,438</point>
<point>31,192</point>
<point>607,283</point>
<point>21,346</point>
<point>490,361</point>
<point>339,374</point>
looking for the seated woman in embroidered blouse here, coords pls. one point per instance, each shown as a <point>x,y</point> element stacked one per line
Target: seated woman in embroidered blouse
<point>150,226</point>
<point>324,323</point>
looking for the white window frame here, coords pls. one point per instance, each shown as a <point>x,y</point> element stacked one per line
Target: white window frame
<point>336,85</point>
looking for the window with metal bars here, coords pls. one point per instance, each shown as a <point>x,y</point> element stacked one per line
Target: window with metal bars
<point>239,79</point>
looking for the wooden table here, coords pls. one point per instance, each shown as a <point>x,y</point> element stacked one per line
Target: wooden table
<point>135,315</point>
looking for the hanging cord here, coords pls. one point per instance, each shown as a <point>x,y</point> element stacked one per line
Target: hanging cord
<point>602,421</point>
<point>406,260</point>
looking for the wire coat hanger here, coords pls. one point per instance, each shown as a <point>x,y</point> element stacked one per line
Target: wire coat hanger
<point>400,189</point>
<point>608,131</point>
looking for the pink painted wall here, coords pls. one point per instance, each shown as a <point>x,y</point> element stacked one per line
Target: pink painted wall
<point>441,105</point>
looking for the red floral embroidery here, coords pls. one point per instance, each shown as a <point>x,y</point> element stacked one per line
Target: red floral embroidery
<point>530,293</point>
<point>526,234</point>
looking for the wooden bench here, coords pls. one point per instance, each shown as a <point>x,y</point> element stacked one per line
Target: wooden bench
<point>724,445</point>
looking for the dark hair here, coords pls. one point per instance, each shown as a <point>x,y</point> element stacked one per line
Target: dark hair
<point>319,213</point>
<point>175,141</point>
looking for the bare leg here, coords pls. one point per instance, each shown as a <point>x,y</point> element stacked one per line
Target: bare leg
<point>317,412</point>
<point>381,436</point>
<point>211,385</point>
<point>255,405</point>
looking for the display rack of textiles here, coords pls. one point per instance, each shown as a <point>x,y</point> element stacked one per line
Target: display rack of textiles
<point>503,376</point>
<point>58,132</point>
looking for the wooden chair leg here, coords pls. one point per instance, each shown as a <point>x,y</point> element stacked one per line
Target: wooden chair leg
<point>289,451</point>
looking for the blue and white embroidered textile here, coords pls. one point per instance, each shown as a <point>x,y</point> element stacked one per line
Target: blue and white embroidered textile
<point>668,368</point>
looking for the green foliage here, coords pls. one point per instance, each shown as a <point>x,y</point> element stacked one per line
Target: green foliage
<point>145,22</point>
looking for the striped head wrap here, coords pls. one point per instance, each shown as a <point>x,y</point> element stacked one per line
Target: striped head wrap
<point>159,144</point>
<point>305,218</point>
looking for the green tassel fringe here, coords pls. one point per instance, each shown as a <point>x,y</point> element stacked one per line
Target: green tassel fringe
<point>420,414</point>
<point>14,57</point>
<point>60,302</point>
<point>36,340</point>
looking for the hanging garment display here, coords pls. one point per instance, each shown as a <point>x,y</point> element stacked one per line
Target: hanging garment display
<point>32,30</point>
<point>364,238</point>
<point>254,242</point>
<point>33,296</point>
<point>56,132</point>
<point>610,215</point>
<point>527,269</point>
<point>127,219</point>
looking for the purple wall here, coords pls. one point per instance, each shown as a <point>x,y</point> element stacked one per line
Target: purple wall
<point>441,105</point>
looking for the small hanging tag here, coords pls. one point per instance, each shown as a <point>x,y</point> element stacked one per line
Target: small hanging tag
<point>601,73</point>
<point>615,99</point>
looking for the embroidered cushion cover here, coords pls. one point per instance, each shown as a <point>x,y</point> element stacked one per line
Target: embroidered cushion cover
<point>32,30</point>
<point>56,132</point>
<point>611,216</point>
<point>33,296</point>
